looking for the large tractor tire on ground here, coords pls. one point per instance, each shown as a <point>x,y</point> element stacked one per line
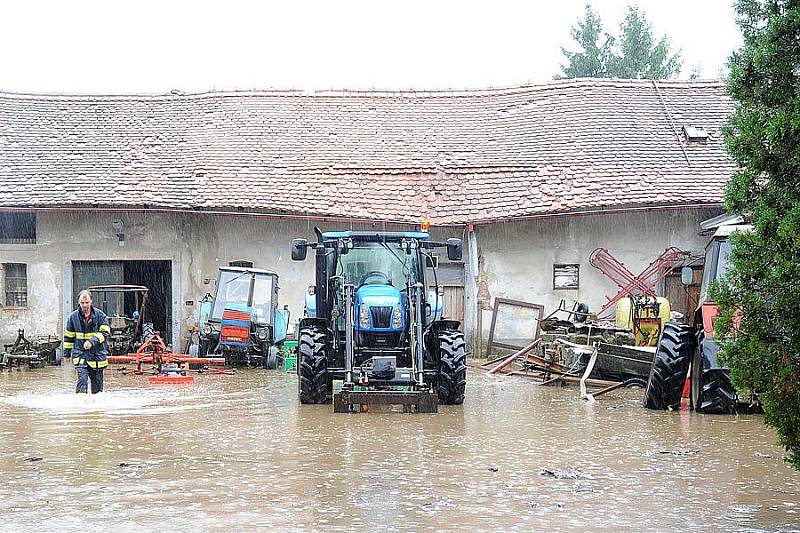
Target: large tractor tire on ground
<point>312,366</point>
<point>670,365</point>
<point>452,367</point>
<point>712,391</point>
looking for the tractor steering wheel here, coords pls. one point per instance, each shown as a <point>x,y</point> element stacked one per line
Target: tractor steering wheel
<point>382,278</point>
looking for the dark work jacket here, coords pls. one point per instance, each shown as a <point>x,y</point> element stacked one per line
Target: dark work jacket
<point>78,330</point>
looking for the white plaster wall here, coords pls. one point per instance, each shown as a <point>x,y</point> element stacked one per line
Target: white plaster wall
<point>517,258</point>
<point>81,236</point>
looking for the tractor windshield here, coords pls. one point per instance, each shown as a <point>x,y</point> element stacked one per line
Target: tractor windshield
<point>379,263</point>
<point>717,255</point>
<point>235,287</point>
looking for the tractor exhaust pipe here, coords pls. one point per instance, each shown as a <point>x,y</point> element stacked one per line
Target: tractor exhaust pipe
<point>419,356</point>
<point>348,333</point>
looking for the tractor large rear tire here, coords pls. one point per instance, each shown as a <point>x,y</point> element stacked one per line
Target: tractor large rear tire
<point>147,331</point>
<point>670,365</point>
<point>312,366</point>
<point>712,390</point>
<point>452,367</point>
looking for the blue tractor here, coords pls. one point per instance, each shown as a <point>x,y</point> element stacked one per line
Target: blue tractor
<point>242,321</point>
<point>371,325</point>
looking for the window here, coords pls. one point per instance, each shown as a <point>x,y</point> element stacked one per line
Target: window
<point>16,284</point>
<point>566,276</point>
<point>17,228</point>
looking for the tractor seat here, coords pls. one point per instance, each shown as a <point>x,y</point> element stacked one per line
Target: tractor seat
<point>118,322</point>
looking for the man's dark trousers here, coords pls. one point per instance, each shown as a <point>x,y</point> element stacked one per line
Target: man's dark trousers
<point>86,373</point>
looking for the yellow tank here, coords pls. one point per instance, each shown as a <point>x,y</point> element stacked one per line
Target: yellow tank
<point>644,316</point>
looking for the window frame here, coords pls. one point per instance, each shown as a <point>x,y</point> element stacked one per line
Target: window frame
<point>11,295</point>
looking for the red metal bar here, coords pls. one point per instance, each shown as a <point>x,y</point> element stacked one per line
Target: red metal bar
<point>510,358</point>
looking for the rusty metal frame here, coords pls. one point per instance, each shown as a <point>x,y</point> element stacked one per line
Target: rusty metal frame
<point>514,303</point>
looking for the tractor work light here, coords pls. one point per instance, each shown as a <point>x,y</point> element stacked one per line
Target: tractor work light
<point>397,317</point>
<point>363,317</point>
<point>262,334</point>
<point>207,329</point>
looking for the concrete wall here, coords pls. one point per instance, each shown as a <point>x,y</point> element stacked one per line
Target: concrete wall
<point>513,260</point>
<point>195,244</point>
<point>516,258</point>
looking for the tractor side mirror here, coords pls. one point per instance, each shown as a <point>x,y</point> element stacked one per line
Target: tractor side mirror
<point>454,249</point>
<point>299,249</point>
<point>687,275</point>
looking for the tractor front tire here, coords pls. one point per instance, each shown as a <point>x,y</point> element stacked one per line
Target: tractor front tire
<point>670,365</point>
<point>712,390</point>
<point>269,356</point>
<point>312,366</point>
<point>452,367</point>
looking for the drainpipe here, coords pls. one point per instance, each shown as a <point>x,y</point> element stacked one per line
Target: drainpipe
<point>471,309</point>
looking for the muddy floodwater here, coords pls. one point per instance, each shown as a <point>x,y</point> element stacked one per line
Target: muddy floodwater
<point>237,453</point>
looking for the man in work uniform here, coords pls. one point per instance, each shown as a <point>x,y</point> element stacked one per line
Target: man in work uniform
<point>85,340</point>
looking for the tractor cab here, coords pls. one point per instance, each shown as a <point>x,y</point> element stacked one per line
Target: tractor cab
<point>242,320</point>
<point>124,306</point>
<point>370,322</point>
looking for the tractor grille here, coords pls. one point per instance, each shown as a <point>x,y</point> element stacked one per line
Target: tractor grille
<point>381,316</point>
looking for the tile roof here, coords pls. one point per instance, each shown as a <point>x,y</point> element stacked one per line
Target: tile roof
<point>450,156</point>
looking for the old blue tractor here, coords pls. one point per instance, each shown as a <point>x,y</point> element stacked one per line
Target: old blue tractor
<point>371,325</point>
<point>242,321</point>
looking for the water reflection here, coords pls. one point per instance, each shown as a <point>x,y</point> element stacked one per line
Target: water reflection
<point>237,452</point>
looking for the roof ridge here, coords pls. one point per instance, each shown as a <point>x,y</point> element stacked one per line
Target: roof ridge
<point>376,93</point>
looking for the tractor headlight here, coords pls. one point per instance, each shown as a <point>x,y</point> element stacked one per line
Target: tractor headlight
<point>397,317</point>
<point>207,329</point>
<point>262,334</point>
<point>363,317</point>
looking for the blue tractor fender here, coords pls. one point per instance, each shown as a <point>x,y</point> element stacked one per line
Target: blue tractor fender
<point>311,305</point>
<point>281,324</point>
<point>205,311</point>
<point>436,309</point>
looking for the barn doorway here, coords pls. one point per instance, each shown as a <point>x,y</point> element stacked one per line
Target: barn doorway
<point>155,275</point>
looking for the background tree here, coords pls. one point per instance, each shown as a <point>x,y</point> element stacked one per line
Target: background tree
<point>763,283</point>
<point>636,55</point>
<point>593,59</point>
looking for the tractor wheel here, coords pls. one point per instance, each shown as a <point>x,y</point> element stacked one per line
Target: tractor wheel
<point>452,367</point>
<point>312,366</point>
<point>269,355</point>
<point>670,364</point>
<point>147,331</point>
<point>712,390</point>
<point>634,383</point>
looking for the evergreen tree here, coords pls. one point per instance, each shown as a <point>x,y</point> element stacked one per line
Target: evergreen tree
<point>592,60</point>
<point>636,56</point>
<point>760,297</point>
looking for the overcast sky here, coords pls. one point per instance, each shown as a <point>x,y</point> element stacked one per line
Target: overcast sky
<point>156,46</point>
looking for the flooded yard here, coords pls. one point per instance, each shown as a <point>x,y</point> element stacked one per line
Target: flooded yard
<point>235,453</point>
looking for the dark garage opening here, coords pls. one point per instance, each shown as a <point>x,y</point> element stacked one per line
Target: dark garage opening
<point>155,275</point>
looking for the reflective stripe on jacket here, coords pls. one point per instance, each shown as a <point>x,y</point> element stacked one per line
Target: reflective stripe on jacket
<point>78,331</point>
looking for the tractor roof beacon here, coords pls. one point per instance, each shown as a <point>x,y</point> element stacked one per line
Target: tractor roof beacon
<point>371,325</point>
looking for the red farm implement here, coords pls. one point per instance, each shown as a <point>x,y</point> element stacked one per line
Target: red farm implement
<point>167,367</point>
